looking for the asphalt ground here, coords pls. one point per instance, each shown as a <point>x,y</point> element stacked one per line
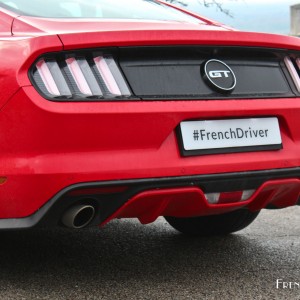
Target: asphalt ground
<point>126,260</point>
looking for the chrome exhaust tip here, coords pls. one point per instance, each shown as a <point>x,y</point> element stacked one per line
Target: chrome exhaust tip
<point>78,216</point>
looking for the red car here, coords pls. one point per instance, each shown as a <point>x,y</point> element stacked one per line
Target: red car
<point>139,109</point>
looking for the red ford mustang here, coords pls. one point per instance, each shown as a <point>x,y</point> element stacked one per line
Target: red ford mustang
<point>138,109</point>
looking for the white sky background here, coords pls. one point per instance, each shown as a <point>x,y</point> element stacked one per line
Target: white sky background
<point>290,2</point>
<point>251,15</point>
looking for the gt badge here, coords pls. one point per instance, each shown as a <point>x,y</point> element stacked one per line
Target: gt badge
<point>219,76</point>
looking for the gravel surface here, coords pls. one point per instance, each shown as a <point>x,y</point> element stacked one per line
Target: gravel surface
<point>126,260</point>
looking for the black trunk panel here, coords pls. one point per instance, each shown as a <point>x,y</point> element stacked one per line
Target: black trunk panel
<point>175,72</point>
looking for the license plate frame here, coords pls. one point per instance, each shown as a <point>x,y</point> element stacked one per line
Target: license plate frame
<point>261,138</point>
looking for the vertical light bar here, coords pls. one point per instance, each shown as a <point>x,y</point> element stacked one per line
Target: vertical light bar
<point>89,76</point>
<point>107,76</point>
<point>298,63</point>
<point>47,78</point>
<point>293,72</point>
<point>117,76</point>
<point>58,78</point>
<point>78,76</point>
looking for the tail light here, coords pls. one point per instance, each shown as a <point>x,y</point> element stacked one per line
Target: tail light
<point>79,76</point>
<point>292,70</point>
<point>298,63</point>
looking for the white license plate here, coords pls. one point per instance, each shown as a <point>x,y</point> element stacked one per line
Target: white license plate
<point>234,135</point>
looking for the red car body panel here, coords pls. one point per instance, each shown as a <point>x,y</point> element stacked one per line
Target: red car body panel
<point>59,160</point>
<point>5,25</point>
<point>127,33</point>
<point>47,146</point>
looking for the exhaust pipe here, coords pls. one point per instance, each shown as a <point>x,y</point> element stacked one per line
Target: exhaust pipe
<point>78,216</point>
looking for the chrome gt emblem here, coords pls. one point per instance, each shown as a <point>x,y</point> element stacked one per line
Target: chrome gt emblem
<point>219,76</point>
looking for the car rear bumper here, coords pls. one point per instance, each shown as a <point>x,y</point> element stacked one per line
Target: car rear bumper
<point>47,147</point>
<point>183,196</point>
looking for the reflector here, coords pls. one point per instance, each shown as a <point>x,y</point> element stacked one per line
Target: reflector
<point>98,191</point>
<point>229,197</point>
<point>212,198</point>
<point>3,180</point>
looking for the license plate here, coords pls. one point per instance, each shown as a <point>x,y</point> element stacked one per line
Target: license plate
<point>234,135</point>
